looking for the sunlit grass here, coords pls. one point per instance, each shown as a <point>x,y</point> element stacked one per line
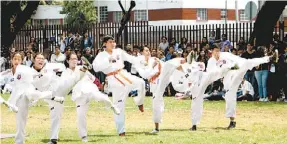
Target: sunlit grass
<point>257,123</point>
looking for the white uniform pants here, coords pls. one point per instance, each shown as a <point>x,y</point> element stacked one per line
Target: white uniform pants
<point>119,99</point>
<point>21,116</point>
<point>56,110</point>
<point>82,104</point>
<point>232,81</point>
<point>158,101</point>
<point>21,119</point>
<point>120,93</point>
<point>198,90</point>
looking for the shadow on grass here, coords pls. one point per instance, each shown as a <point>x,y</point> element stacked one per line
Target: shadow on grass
<point>174,130</point>
<point>101,135</point>
<point>224,128</point>
<point>60,140</point>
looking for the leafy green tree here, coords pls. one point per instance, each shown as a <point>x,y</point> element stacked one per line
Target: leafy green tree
<point>79,12</point>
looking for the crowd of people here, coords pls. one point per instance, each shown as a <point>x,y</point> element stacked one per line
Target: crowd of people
<point>266,82</point>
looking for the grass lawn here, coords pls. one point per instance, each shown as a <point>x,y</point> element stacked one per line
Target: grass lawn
<point>257,123</point>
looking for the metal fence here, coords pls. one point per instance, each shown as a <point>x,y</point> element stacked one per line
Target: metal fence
<point>138,33</point>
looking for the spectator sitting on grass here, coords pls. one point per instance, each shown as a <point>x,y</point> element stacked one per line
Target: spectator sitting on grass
<point>246,91</point>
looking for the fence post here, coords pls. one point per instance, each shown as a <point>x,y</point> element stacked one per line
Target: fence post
<point>169,34</point>
<point>218,33</point>
<point>45,40</point>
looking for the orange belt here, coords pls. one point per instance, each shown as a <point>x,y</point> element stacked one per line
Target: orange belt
<point>155,76</point>
<point>114,73</point>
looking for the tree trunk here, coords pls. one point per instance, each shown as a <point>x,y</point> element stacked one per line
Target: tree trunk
<point>266,20</point>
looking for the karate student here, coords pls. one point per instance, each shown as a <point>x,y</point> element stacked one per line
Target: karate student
<point>149,68</point>
<point>85,91</point>
<point>111,62</point>
<point>60,86</point>
<point>23,92</point>
<point>162,82</point>
<point>6,78</point>
<point>233,78</point>
<point>193,81</point>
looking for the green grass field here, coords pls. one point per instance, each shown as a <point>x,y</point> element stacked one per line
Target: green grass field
<point>257,123</point>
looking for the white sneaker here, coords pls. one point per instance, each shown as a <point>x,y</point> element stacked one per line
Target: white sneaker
<point>154,131</point>
<point>261,99</point>
<point>59,99</point>
<point>285,100</point>
<point>85,139</point>
<point>266,99</point>
<point>115,110</point>
<point>278,100</point>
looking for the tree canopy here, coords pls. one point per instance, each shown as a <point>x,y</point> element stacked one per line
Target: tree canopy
<point>14,16</point>
<point>79,12</point>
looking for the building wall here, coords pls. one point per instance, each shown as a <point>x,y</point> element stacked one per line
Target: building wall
<point>166,4</point>
<point>172,10</point>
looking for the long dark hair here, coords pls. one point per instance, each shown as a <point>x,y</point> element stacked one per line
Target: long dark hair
<point>13,55</point>
<point>260,51</point>
<point>68,58</point>
<point>34,57</point>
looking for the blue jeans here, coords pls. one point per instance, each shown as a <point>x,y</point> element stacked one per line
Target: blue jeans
<point>261,77</point>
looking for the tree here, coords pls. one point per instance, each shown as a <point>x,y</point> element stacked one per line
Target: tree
<point>266,20</point>
<point>14,16</point>
<point>79,12</point>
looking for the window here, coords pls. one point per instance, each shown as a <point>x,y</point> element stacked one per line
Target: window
<point>118,16</point>
<point>140,15</point>
<point>223,14</point>
<point>37,22</point>
<point>242,16</point>
<point>54,21</point>
<point>201,14</point>
<point>104,14</point>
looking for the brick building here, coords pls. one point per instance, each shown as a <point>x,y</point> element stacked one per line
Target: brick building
<point>177,12</point>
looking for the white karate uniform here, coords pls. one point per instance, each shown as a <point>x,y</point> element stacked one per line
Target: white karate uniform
<point>83,92</point>
<point>247,87</point>
<point>197,82</point>
<point>2,63</point>
<point>120,82</point>
<point>67,81</point>
<point>23,91</point>
<point>7,79</point>
<point>164,79</point>
<point>58,58</point>
<point>233,78</point>
<point>146,70</point>
<point>60,86</point>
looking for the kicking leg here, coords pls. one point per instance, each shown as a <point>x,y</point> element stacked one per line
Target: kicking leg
<point>99,96</point>
<point>139,85</point>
